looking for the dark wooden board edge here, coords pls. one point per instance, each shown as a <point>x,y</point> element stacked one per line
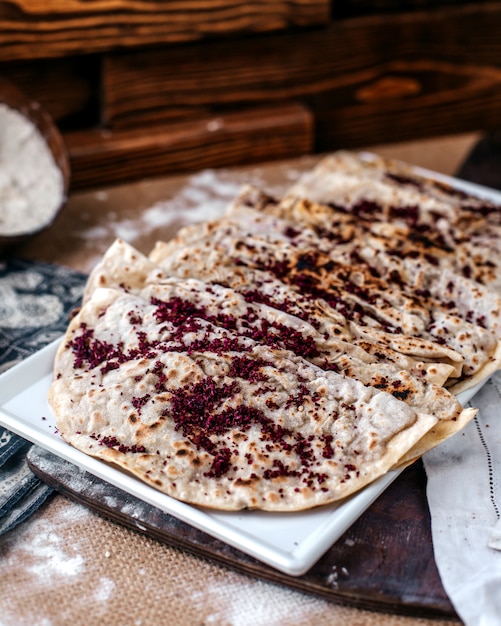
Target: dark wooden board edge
<point>384,562</point>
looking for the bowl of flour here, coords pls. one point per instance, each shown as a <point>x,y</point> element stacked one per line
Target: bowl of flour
<point>34,167</point>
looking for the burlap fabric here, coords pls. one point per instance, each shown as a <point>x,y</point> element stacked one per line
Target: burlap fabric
<point>66,565</point>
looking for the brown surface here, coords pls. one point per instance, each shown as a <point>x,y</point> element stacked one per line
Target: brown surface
<point>384,562</point>
<point>398,62</point>
<point>65,87</point>
<point>67,565</point>
<point>34,29</point>
<point>113,157</point>
<point>367,72</point>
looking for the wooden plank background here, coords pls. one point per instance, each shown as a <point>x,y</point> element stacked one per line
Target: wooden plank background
<point>52,28</point>
<point>350,8</point>
<point>361,71</point>
<point>236,138</point>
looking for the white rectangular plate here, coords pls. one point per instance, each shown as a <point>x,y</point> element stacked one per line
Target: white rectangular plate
<point>289,542</point>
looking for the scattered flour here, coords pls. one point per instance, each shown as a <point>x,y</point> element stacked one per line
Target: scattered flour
<point>97,232</point>
<point>259,603</point>
<point>205,196</point>
<point>31,183</point>
<point>49,560</point>
<point>7,619</point>
<point>104,591</point>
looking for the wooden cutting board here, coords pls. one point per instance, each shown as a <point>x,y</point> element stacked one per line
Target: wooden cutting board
<point>383,562</point>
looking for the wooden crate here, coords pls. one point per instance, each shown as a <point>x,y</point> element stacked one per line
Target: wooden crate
<point>366,80</point>
<point>135,87</point>
<point>260,134</point>
<point>50,28</point>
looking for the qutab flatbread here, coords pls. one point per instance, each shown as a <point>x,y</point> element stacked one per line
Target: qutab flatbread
<point>289,353</point>
<point>417,384</point>
<point>406,258</point>
<point>268,309</point>
<point>464,313</point>
<point>391,194</point>
<point>380,311</point>
<point>216,419</point>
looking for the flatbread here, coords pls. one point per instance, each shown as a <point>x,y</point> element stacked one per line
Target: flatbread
<point>380,311</point>
<point>215,419</point>
<point>293,351</point>
<point>466,228</point>
<point>418,385</point>
<point>460,306</point>
<point>405,257</point>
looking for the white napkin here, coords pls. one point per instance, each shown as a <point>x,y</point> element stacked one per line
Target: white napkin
<point>464,496</point>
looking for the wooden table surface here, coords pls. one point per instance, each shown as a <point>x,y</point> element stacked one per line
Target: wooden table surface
<point>66,564</point>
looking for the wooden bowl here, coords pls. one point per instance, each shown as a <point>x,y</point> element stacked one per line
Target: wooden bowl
<point>13,98</point>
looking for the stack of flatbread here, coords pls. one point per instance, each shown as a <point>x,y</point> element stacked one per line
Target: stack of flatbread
<point>291,352</point>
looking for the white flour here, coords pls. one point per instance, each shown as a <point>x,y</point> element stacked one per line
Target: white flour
<point>105,589</point>
<point>205,196</point>
<point>31,184</point>
<point>49,560</point>
<point>258,603</point>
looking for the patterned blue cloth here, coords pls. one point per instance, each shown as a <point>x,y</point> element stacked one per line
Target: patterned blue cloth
<point>35,302</point>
